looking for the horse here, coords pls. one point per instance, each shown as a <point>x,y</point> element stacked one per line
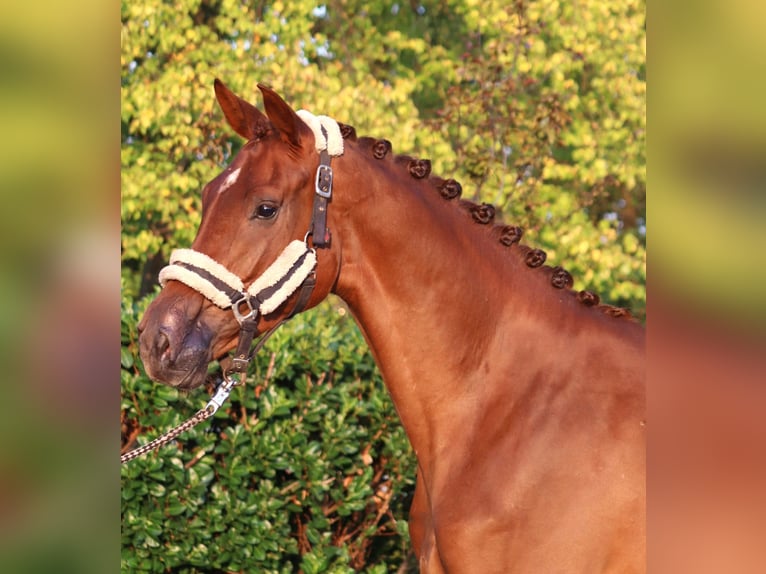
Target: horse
<point>523,399</point>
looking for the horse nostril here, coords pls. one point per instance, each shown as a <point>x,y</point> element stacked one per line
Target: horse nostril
<point>162,344</point>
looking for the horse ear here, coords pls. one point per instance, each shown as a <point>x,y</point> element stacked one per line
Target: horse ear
<point>282,116</point>
<point>242,117</point>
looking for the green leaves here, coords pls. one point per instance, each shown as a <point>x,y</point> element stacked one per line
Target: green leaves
<point>285,477</point>
<point>537,107</point>
<point>549,122</point>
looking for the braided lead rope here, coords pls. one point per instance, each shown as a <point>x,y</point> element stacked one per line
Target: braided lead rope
<point>161,441</point>
<point>224,389</point>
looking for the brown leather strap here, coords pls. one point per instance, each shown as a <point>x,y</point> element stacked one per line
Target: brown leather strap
<point>243,354</point>
<point>320,234</point>
<point>231,292</point>
<point>304,295</point>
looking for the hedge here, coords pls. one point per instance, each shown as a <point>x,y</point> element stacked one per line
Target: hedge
<point>305,468</point>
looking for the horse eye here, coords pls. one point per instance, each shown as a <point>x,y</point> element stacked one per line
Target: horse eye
<point>266,211</point>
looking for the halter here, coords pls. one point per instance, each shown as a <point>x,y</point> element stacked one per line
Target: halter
<point>294,268</point>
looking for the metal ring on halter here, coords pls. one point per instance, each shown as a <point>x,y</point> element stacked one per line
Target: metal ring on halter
<point>241,317</point>
<point>232,378</point>
<point>309,233</point>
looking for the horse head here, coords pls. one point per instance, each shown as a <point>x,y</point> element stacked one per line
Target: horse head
<point>253,250</point>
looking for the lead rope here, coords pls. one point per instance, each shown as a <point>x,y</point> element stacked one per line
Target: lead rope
<point>161,441</point>
<point>216,401</point>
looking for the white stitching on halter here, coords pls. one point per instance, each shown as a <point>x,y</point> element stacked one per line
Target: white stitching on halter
<point>333,143</point>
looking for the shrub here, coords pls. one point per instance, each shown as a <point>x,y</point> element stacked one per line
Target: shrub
<point>305,467</point>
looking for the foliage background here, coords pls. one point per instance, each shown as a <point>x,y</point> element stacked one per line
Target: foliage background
<point>537,107</point>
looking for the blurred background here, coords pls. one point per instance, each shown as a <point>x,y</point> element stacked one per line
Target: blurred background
<point>707,389</point>
<point>59,287</point>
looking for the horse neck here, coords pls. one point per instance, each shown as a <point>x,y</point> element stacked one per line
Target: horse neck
<point>425,285</point>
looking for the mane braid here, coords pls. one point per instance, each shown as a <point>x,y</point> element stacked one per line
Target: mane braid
<point>509,236</point>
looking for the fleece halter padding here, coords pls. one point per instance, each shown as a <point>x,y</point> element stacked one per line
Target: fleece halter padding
<point>330,139</point>
<point>272,288</point>
<point>291,268</point>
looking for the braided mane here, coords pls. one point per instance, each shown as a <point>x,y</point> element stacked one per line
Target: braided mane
<point>483,214</point>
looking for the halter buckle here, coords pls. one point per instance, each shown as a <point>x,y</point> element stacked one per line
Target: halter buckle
<point>250,313</point>
<point>239,365</point>
<point>323,181</point>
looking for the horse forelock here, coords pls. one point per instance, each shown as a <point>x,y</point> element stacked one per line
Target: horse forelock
<point>484,214</point>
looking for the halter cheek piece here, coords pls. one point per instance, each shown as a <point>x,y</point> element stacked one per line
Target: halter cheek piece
<point>329,144</point>
<point>293,269</point>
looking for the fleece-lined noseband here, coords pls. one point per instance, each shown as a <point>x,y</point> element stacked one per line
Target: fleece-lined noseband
<point>225,289</point>
<point>294,268</point>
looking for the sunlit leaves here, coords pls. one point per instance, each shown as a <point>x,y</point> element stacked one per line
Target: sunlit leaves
<point>548,120</point>
<point>535,106</point>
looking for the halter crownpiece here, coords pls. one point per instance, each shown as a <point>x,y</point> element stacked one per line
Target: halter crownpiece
<point>326,132</point>
<point>328,142</point>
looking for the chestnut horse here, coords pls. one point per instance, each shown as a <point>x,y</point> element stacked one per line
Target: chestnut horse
<point>524,400</point>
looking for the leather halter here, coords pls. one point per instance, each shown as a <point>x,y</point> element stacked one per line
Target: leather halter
<point>320,234</point>
<point>294,269</point>
<point>329,144</point>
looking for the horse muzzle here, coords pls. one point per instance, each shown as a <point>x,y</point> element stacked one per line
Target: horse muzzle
<point>175,351</point>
